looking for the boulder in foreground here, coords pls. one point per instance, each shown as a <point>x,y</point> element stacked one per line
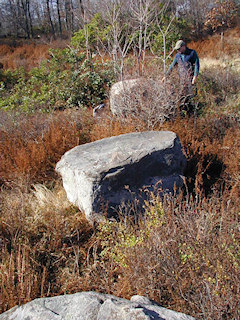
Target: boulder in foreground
<point>111,171</point>
<point>92,306</point>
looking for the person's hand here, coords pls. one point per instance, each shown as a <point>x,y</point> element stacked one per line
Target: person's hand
<point>194,80</point>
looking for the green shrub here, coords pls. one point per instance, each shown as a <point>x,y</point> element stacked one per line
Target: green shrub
<point>68,79</point>
<point>97,31</point>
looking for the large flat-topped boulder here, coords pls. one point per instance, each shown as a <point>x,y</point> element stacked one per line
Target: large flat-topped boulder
<point>92,306</point>
<point>105,171</point>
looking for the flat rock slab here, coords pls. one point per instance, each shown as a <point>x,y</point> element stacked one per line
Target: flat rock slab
<point>111,171</point>
<point>92,306</point>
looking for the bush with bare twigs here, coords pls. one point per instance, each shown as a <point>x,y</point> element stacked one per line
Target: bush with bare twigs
<point>151,101</point>
<point>182,253</point>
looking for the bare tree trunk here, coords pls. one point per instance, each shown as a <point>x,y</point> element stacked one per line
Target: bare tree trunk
<point>72,16</point>
<point>25,6</point>
<point>143,12</point>
<point>68,15</point>
<point>88,51</point>
<point>13,10</point>
<point>59,18</point>
<point>222,40</point>
<point>19,16</point>
<point>50,18</point>
<point>30,19</point>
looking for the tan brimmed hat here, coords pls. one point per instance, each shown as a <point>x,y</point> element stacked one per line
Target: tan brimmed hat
<point>179,44</point>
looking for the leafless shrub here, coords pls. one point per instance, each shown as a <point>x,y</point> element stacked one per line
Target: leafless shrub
<point>149,101</point>
<point>221,82</point>
<point>182,253</point>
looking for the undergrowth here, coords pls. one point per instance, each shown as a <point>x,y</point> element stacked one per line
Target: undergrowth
<point>183,252</point>
<point>31,146</point>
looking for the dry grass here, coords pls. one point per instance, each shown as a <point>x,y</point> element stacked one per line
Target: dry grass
<point>15,55</point>
<point>205,142</point>
<point>41,236</point>
<point>27,56</point>
<point>183,253</point>
<point>212,47</point>
<point>31,147</point>
<point>224,63</point>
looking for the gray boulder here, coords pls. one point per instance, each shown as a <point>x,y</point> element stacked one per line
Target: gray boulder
<point>120,93</point>
<point>117,170</point>
<point>92,306</point>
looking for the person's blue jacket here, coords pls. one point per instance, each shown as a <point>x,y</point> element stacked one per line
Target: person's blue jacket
<point>187,61</point>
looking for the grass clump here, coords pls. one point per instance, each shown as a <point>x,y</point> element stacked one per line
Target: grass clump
<point>41,236</point>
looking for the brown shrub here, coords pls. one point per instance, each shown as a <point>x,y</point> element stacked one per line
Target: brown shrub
<point>5,49</point>
<point>31,147</point>
<point>108,127</point>
<point>27,56</point>
<point>182,253</point>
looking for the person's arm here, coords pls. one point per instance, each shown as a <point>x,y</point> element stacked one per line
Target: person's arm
<point>196,68</point>
<point>170,68</point>
<point>172,65</point>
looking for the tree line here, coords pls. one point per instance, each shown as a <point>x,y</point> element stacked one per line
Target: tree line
<point>61,18</point>
<point>32,18</point>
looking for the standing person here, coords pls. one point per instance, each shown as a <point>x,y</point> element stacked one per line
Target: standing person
<point>188,67</point>
<point>187,61</point>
